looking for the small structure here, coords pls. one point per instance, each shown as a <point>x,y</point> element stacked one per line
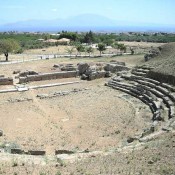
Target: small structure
<point>62,40</point>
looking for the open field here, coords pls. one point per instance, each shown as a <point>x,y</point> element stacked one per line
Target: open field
<point>140,46</point>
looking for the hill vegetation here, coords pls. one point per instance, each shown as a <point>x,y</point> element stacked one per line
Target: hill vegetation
<point>35,40</point>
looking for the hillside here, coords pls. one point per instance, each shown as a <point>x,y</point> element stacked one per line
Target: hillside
<point>164,64</point>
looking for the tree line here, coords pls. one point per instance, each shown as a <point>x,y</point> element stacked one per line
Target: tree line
<point>18,42</point>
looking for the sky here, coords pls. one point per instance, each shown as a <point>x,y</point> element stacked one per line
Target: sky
<point>145,11</point>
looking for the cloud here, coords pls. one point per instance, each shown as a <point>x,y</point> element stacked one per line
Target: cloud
<point>54,10</point>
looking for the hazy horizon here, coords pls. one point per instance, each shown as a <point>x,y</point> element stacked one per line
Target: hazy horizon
<point>151,14</point>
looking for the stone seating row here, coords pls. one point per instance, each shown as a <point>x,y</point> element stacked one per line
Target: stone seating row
<point>154,105</point>
<point>165,92</point>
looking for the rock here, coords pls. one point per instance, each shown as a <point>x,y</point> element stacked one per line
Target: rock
<point>16,77</point>
<point>16,72</point>
<point>36,153</point>
<point>86,151</point>
<point>108,74</point>
<point>150,162</point>
<point>1,133</point>
<point>56,65</point>
<point>148,131</point>
<point>68,68</point>
<point>92,76</point>
<point>90,70</point>
<point>117,62</point>
<point>42,96</point>
<point>63,152</point>
<point>84,77</point>
<point>157,116</point>
<point>25,73</point>
<point>82,68</point>
<point>17,151</point>
<point>130,139</point>
<point>115,68</point>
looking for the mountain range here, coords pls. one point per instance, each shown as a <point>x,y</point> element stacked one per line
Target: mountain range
<point>84,22</point>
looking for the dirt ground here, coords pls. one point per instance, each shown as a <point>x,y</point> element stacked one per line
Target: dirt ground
<point>81,120</point>
<point>84,116</point>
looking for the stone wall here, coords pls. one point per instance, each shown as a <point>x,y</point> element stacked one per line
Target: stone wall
<point>6,81</point>
<point>48,76</point>
<point>115,68</point>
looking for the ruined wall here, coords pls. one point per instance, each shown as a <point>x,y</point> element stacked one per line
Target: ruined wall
<point>48,76</point>
<point>6,81</point>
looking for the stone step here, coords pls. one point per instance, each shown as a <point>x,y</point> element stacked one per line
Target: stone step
<point>156,104</point>
<point>134,92</point>
<point>162,87</point>
<point>141,89</point>
<point>141,70</point>
<point>168,101</point>
<point>169,98</point>
<point>146,83</point>
<point>172,96</point>
<point>169,87</point>
<point>139,73</point>
<point>145,67</point>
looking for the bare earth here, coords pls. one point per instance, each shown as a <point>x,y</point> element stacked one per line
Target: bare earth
<point>86,119</point>
<point>86,116</point>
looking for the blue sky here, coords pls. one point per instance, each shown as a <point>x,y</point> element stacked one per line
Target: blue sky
<point>145,11</point>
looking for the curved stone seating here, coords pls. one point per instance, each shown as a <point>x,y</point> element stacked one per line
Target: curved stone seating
<point>153,88</point>
<point>160,97</point>
<point>141,71</point>
<point>155,106</point>
<point>160,88</point>
<point>157,89</point>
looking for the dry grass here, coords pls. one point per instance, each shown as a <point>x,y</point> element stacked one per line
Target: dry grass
<point>47,65</point>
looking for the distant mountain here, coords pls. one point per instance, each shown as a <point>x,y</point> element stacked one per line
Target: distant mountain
<point>83,22</point>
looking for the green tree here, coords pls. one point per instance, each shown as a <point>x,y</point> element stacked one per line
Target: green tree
<point>122,47</point>
<point>70,35</point>
<point>89,37</point>
<point>70,50</point>
<point>89,50</point>
<point>8,46</point>
<point>80,48</point>
<point>101,47</point>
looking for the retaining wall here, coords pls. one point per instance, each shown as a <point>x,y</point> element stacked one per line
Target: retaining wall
<point>163,78</point>
<point>6,81</point>
<point>48,76</point>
